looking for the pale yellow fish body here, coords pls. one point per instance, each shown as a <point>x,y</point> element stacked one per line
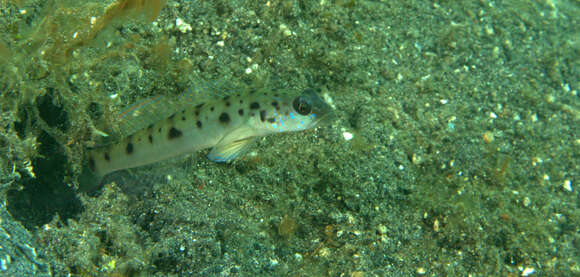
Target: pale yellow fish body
<point>228,125</point>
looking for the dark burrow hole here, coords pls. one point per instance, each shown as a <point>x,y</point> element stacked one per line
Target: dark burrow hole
<point>47,195</point>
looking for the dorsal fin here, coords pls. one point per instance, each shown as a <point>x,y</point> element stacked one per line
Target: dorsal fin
<point>150,110</point>
<point>146,111</point>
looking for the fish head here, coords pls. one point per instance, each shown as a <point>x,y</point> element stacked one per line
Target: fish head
<point>303,112</point>
<point>311,109</point>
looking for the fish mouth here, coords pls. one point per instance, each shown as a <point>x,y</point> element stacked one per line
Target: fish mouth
<point>325,116</point>
<point>323,111</point>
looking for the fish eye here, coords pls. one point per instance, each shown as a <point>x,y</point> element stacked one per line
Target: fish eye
<point>301,105</point>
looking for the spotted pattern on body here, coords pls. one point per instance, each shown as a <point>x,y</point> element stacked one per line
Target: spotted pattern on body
<point>222,124</point>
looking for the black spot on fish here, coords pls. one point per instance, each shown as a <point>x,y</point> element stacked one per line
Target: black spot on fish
<point>159,130</point>
<point>129,148</point>
<point>183,118</point>
<point>224,118</point>
<point>254,106</point>
<point>91,164</point>
<point>228,104</point>
<point>107,157</point>
<point>150,127</point>
<point>241,101</point>
<point>211,109</point>
<point>199,106</point>
<point>241,111</point>
<point>226,98</point>
<point>150,139</point>
<point>271,120</point>
<point>196,113</point>
<point>263,115</point>
<point>198,124</point>
<point>174,133</point>
<point>275,103</point>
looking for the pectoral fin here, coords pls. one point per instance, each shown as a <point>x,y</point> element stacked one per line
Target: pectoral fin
<point>227,152</point>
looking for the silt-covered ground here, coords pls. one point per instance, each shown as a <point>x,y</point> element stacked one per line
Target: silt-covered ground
<point>454,149</point>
